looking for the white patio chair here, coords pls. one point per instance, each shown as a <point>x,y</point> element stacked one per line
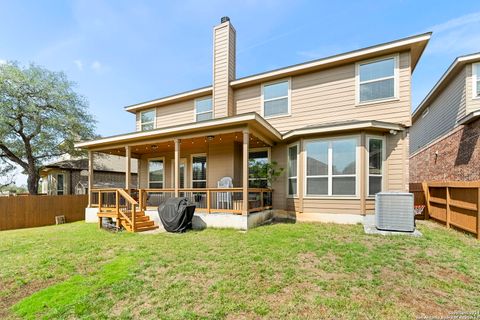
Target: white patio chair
<point>224,199</point>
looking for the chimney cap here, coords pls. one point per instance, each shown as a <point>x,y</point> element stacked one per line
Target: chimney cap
<point>224,19</point>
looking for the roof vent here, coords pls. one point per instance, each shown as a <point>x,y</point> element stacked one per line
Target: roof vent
<point>224,19</point>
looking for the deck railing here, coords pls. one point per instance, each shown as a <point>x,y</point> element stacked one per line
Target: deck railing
<point>207,200</point>
<point>116,203</point>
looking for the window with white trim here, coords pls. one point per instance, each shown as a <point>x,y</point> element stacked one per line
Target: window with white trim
<point>199,171</point>
<point>156,173</point>
<point>331,167</point>
<point>476,80</point>
<point>203,109</point>
<point>292,170</point>
<point>375,165</point>
<point>260,157</point>
<point>276,99</point>
<point>147,120</point>
<point>377,80</point>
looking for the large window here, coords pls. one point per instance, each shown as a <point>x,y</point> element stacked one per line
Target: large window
<point>257,158</point>
<point>375,165</point>
<point>377,80</point>
<point>147,120</point>
<point>276,99</point>
<point>331,167</point>
<point>203,109</point>
<point>156,170</point>
<point>292,170</point>
<point>199,171</point>
<point>476,80</point>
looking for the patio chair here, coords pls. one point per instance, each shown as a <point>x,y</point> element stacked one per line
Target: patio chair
<point>224,199</point>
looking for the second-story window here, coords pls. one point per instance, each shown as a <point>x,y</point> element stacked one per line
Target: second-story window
<point>203,109</point>
<point>476,80</point>
<point>276,99</point>
<point>147,119</point>
<point>376,80</point>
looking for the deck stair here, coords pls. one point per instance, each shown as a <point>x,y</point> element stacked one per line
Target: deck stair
<point>126,210</point>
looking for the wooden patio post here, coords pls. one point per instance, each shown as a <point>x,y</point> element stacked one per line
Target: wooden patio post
<point>90,177</point>
<point>246,140</point>
<point>177,165</point>
<point>128,167</point>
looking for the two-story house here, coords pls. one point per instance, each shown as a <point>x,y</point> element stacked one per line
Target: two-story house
<point>338,125</point>
<point>445,144</point>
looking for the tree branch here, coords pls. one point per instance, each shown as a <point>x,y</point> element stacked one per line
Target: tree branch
<point>12,157</point>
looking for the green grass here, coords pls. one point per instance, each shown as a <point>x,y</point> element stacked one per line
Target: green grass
<point>292,271</point>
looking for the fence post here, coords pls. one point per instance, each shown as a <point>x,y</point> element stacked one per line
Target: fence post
<point>426,192</point>
<point>478,213</point>
<point>447,218</point>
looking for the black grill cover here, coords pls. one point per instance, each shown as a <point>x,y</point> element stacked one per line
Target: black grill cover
<point>176,214</point>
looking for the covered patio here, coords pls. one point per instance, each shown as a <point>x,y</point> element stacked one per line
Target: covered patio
<point>207,162</point>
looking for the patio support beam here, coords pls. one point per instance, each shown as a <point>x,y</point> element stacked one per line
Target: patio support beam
<point>246,140</point>
<point>90,177</point>
<point>128,167</point>
<point>177,166</point>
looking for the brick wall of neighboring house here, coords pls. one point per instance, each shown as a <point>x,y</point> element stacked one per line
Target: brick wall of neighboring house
<point>458,157</point>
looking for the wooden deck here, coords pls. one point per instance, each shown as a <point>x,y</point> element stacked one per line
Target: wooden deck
<point>128,206</point>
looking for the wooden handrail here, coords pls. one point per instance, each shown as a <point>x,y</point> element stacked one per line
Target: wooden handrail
<point>127,197</point>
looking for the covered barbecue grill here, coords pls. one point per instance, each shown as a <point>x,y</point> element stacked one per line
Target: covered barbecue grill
<point>176,214</point>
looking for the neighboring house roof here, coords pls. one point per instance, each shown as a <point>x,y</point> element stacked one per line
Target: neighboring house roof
<point>446,78</point>
<point>416,44</point>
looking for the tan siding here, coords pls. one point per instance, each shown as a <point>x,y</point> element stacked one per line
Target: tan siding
<point>175,114</point>
<point>223,69</point>
<point>396,171</point>
<point>328,96</point>
<point>444,111</point>
<point>220,163</point>
<point>472,104</point>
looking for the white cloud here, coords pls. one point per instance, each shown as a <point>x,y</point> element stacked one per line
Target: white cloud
<point>96,65</point>
<point>79,64</point>
<point>456,36</point>
<point>2,61</point>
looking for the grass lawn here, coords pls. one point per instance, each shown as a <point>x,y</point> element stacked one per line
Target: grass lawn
<point>278,271</point>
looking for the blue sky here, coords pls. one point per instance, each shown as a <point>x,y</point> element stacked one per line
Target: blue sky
<point>125,52</point>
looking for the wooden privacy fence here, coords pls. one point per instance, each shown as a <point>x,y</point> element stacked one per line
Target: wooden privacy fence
<point>419,198</point>
<point>36,211</point>
<point>455,203</point>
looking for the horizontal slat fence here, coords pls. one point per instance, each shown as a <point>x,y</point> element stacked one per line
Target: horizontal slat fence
<point>455,203</point>
<point>36,211</point>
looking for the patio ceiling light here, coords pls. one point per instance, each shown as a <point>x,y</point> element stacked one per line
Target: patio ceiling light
<point>210,138</point>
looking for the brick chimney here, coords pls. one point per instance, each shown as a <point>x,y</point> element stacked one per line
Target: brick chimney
<point>224,42</point>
